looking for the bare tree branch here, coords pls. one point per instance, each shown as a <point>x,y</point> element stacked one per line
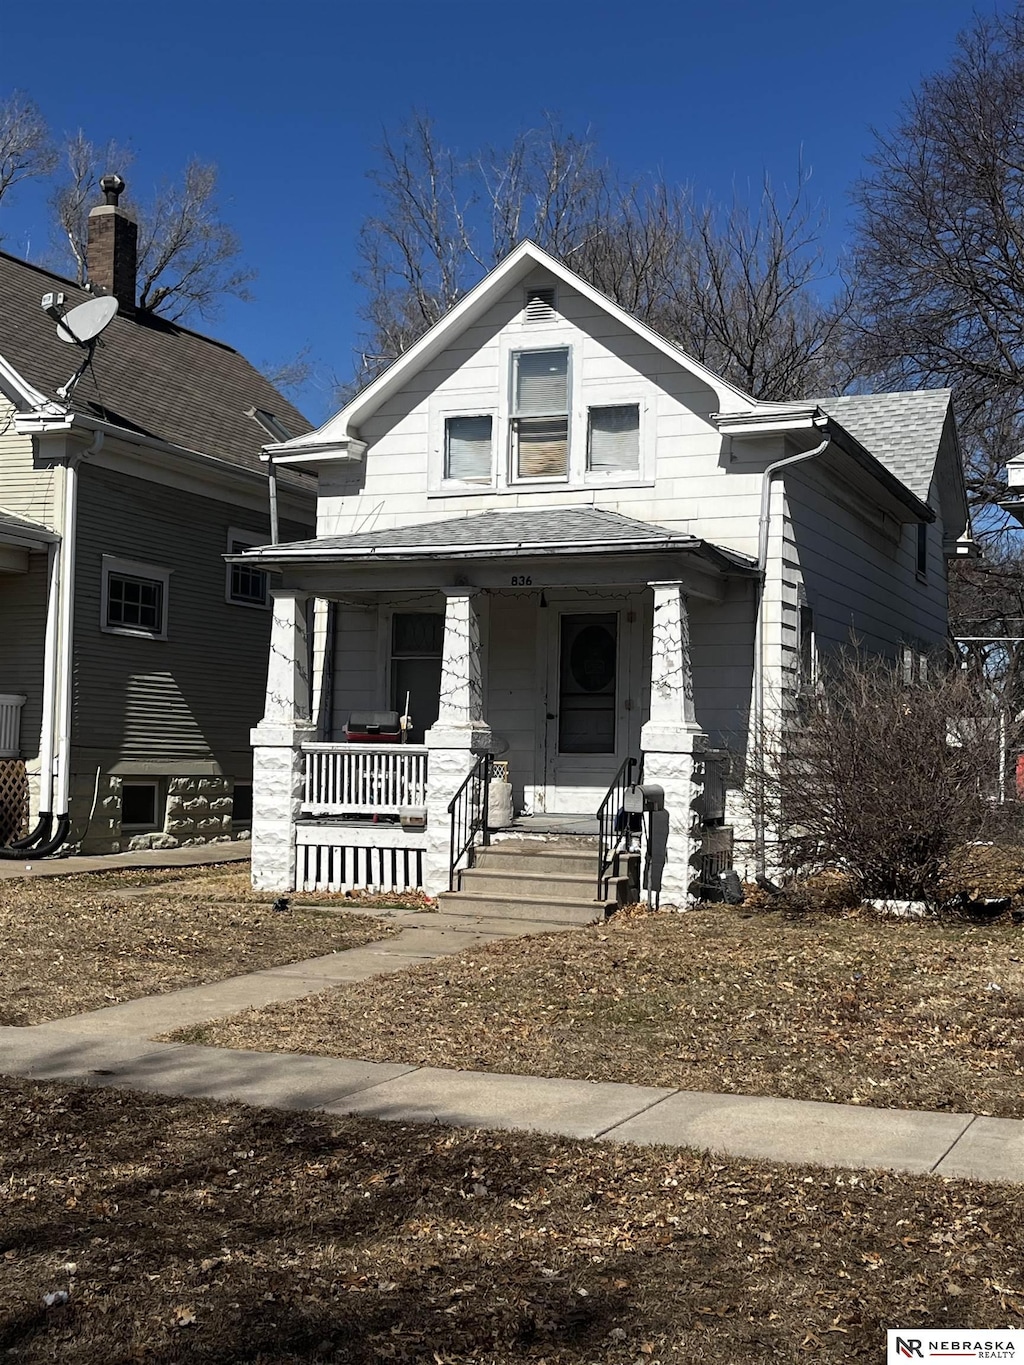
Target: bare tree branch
<point>188,257</point>
<point>26,148</point>
<point>734,288</point>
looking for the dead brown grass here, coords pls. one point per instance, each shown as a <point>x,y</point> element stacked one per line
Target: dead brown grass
<point>75,943</point>
<point>842,1008</point>
<point>185,1231</point>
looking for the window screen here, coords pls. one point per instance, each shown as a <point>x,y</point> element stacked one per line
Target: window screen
<point>614,438</point>
<point>467,449</point>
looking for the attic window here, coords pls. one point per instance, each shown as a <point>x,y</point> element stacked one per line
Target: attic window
<point>540,305</point>
<point>272,425</point>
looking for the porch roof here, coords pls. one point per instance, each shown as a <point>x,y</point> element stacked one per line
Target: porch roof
<point>500,535</point>
<point>28,535</point>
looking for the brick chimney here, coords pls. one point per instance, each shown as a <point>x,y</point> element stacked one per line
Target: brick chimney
<point>112,247</point>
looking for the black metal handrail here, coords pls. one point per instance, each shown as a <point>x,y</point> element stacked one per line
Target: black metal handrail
<point>468,812</point>
<point>615,825</point>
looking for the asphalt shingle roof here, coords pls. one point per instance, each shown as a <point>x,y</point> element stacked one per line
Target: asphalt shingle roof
<point>902,430</point>
<point>506,530</point>
<point>148,375</point>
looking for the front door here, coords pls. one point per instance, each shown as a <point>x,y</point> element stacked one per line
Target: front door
<point>589,715</point>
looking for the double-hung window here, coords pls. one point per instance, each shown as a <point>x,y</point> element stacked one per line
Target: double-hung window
<point>540,414</point>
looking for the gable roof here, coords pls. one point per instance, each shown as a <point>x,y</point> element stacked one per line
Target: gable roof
<point>343,427</point>
<point>903,430</point>
<point>486,534</point>
<point>148,376</point>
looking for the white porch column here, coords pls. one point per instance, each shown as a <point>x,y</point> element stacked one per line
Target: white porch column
<point>277,741</point>
<point>672,739</point>
<point>460,732</point>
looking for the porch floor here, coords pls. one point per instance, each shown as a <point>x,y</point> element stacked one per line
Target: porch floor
<point>554,824</point>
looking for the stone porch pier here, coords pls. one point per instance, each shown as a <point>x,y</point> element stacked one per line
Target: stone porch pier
<point>672,742</point>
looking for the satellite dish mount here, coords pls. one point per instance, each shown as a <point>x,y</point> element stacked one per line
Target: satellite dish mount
<point>82,327</point>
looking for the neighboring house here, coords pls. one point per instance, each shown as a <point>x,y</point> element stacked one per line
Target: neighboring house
<point>570,544</point>
<point>132,657</point>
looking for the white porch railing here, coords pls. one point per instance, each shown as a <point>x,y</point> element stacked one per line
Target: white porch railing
<point>10,724</point>
<point>364,779</point>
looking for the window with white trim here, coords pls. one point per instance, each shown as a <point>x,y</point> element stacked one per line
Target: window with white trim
<point>469,449</point>
<point>540,414</point>
<point>613,439</point>
<point>134,598</point>
<point>247,585</point>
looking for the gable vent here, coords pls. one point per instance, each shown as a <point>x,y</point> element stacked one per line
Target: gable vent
<point>540,305</point>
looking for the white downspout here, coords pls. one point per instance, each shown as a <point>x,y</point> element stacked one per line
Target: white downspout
<point>46,733</point>
<point>67,623</point>
<point>763,529</point>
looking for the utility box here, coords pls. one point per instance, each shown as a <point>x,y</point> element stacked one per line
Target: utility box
<point>413,817</point>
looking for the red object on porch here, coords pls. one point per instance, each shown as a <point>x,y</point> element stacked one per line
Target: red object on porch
<point>373,727</point>
<point>1020,777</point>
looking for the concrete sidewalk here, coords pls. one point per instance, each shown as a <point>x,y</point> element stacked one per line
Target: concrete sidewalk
<point>198,855</point>
<point>112,1047</point>
<point>794,1131</point>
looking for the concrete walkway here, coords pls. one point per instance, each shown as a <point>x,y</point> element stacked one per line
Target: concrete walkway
<point>112,1047</point>
<point>199,855</point>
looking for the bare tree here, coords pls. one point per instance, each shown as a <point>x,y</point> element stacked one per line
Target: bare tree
<point>26,148</point>
<point>939,262</point>
<point>78,191</point>
<point>188,257</point>
<point>882,779</point>
<point>734,288</point>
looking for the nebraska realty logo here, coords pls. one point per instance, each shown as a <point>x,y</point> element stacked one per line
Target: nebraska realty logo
<point>961,1343</point>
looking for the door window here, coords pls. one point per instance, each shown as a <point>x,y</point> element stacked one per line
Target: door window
<point>588,664</point>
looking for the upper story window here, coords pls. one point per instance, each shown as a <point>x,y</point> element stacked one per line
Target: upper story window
<point>247,585</point>
<point>134,598</point>
<point>540,414</point>
<point>613,439</point>
<point>469,449</point>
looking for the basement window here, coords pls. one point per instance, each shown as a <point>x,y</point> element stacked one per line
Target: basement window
<point>140,807</point>
<point>241,804</point>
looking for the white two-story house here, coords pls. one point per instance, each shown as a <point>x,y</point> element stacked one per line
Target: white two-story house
<point>547,534</point>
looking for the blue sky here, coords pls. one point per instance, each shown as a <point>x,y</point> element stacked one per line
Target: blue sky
<point>289,100</point>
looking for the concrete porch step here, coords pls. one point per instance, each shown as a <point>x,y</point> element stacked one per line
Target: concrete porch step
<point>538,855</point>
<point>501,878</point>
<point>517,906</point>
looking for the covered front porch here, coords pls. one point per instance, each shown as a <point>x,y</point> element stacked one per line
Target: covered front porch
<point>563,663</point>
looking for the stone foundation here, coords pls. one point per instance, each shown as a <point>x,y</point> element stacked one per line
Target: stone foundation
<point>95,829</point>
<point>198,810</point>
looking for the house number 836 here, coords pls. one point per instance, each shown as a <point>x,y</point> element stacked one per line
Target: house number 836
<point>521,580</point>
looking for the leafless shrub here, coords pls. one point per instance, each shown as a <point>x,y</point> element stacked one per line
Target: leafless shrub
<point>880,778</point>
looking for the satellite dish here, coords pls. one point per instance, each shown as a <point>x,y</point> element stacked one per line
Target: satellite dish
<point>83,324</point>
